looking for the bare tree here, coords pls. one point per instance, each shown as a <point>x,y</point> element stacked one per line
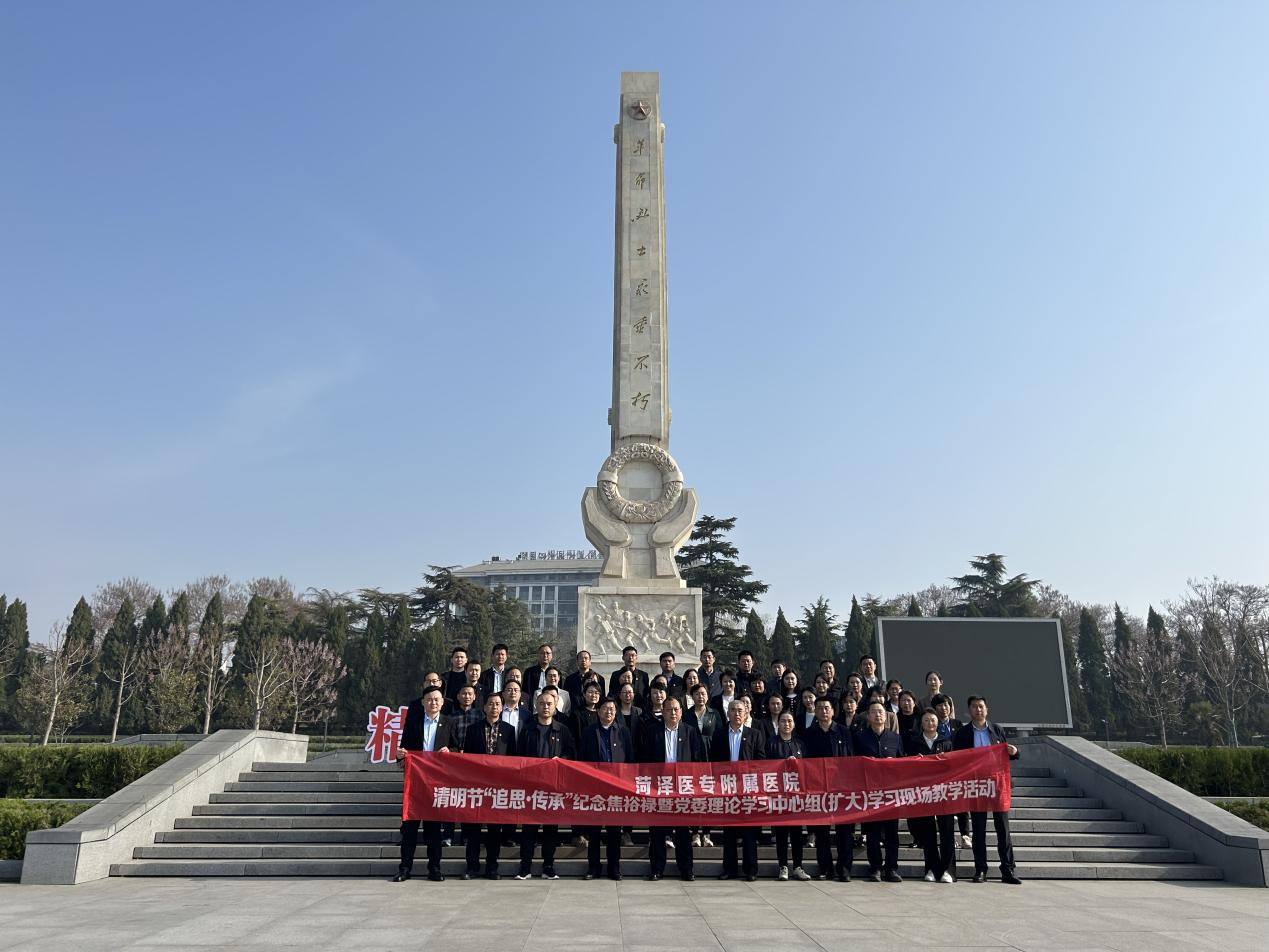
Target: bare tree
<point>277,590</point>
<point>169,689</point>
<point>233,597</point>
<point>264,677</point>
<point>311,670</point>
<point>109,597</point>
<point>210,663</point>
<point>54,691</point>
<point>1150,672</point>
<point>1218,622</point>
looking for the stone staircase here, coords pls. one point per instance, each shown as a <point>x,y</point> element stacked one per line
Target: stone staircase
<point>336,817</point>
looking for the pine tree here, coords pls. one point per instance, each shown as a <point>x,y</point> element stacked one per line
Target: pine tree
<point>15,644</point>
<point>1122,702</point>
<point>368,679</point>
<point>755,641</point>
<point>1080,719</point>
<point>154,624</point>
<point>401,654</point>
<point>710,562</point>
<point>481,642</point>
<point>178,616</point>
<point>79,633</point>
<point>119,666</point>
<point>1094,670</point>
<point>817,636</point>
<point>782,645</point>
<point>914,610</point>
<point>942,611</point>
<point>858,639</point>
<point>986,592</point>
<point>209,659</point>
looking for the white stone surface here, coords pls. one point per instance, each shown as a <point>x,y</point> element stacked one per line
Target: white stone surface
<point>85,848</point>
<point>652,621</point>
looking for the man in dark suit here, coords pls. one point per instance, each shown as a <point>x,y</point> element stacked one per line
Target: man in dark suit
<point>745,672</point>
<point>425,729</point>
<point>576,682</point>
<point>543,737</point>
<point>456,676</point>
<point>827,738</point>
<point>737,742</point>
<point>673,683</point>
<point>630,662</point>
<point>494,737</point>
<point>494,677</point>
<point>535,675</point>
<point>980,732</point>
<point>672,742</point>
<point>606,742</point>
<point>876,741</point>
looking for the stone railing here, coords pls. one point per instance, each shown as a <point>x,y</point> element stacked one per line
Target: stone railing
<point>1216,837</point>
<point>85,848</point>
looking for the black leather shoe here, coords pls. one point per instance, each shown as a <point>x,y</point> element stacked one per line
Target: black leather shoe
<point>980,877</point>
<point>726,876</point>
<point>874,876</point>
<point>688,877</point>
<point>434,876</point>
<point>843,875</point>
<point>653,877</point>
<point>588,877</point>
<point>469,875</point>
<point>1009,878</point>
<point>402,875</point>
<point>615,877</point>
<point>492,874</point>
<point>750,878</point>
<point>892,876</point>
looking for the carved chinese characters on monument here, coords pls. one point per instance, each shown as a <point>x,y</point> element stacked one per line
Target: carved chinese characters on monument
<point>639,512</point>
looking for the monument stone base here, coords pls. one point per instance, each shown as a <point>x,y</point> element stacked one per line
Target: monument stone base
<point>651,618</point>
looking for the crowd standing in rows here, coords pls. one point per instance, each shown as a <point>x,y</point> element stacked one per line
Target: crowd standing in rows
<point>705,714</point>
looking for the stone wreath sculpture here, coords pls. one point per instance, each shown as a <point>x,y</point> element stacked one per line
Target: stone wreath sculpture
<point>626,510</point>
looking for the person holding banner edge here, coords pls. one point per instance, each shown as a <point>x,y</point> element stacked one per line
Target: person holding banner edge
<point>425,729</point>
<point>980,732</point>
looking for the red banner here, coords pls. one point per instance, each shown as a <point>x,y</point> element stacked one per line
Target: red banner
<point>474,788</point>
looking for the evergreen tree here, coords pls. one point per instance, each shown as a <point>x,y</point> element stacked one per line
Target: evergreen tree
<point>1094,671</point>
<point>79,633</point>
<point>256,637</point>
<point>209,659</point>
<point>1123,702</point>
<point>401,676</point>
<point>782,645</point>
<point>1079,706</point>
<point>370,688</point>
<point>858,639</point>
<point>15,642</point>
<point>914,610</point>
<point>942,611</point>
<point>755,641</point>
<point>154,624</point>
<point>710,562</point>
<point>119,664</point>
<point>178,616</point>
<point>481,642</point>
<point>986,592</point>
<point>817,637</point>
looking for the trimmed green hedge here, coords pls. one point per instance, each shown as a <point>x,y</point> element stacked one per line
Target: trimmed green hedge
<point>1257,811</point>
<point>18,818</point>
<point>88,771</point>
<point>1208,771</point>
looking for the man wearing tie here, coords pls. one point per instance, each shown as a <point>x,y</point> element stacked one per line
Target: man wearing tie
<point>980,732</point>
<point>493,737</point>
<point>606,742</point>
<point>544,737</point>
<point>672,742</point>
<point>737,743</point>
<point>425,729</point>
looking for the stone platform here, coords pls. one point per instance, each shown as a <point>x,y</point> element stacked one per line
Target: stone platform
<point>316,915</point>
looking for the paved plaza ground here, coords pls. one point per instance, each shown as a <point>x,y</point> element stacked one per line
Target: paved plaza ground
<point>633,916</point>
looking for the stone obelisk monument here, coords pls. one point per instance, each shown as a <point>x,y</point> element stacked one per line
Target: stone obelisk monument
<point>639,513</point>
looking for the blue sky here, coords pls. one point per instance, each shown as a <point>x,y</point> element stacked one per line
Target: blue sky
<point>324,290</point>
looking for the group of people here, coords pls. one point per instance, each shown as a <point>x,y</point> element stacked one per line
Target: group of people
<point>705,714</point>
